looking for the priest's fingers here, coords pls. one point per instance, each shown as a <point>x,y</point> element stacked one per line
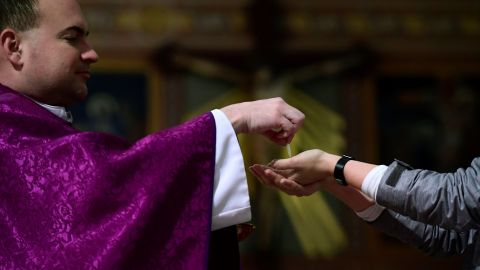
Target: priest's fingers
<point>285,127</point>
<point>291,122</point>
<point>272,117</point>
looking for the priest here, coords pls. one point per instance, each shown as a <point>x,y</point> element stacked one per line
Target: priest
<point>86,200</point>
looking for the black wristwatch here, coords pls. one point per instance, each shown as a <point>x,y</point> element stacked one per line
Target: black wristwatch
<point>338,172</point>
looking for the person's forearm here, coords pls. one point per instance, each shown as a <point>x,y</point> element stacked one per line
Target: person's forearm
<point>351,196</point>
<point>431,239</point>
<point>449,200</point>
<point>354,171</point>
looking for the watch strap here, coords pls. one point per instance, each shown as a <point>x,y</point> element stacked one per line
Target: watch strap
<point>339,167</point>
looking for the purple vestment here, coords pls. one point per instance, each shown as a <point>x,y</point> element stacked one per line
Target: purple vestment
<point>88,200</point>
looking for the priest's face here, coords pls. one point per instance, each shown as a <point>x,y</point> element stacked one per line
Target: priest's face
<point>56,54</point>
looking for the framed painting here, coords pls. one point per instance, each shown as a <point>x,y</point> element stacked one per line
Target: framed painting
<point>124,99</point>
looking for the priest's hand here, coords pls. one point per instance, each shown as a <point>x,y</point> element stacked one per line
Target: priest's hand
<point>300,175</point>
<point>273,118</point>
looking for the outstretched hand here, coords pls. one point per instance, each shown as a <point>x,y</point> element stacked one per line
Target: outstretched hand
<point>273,178</point>
<point>273,118</point>
<point>300,175</point>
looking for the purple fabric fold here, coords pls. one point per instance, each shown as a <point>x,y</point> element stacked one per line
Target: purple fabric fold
<point>88,200</point>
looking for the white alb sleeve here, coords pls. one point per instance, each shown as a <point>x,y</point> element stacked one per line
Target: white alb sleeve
<point>231,201</point>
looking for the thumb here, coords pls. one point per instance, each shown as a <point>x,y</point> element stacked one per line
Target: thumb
<point>282,164</point>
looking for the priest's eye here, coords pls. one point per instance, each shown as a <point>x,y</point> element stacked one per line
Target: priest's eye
<point>71,39</point>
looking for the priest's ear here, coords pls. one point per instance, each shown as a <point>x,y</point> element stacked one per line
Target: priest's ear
<point>10,47</point>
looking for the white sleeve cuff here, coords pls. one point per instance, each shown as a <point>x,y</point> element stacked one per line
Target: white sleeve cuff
<point>369,187</point>
<point>231,201</point>
<point>372,181</point>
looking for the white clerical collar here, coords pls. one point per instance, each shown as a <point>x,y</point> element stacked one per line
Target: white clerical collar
<point>58,111</point>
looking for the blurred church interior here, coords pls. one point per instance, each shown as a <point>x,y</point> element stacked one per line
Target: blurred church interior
<point>377,80</point>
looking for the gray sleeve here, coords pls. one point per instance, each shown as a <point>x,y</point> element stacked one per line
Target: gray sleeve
<point>450,200</point>
<point>433,240</point>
